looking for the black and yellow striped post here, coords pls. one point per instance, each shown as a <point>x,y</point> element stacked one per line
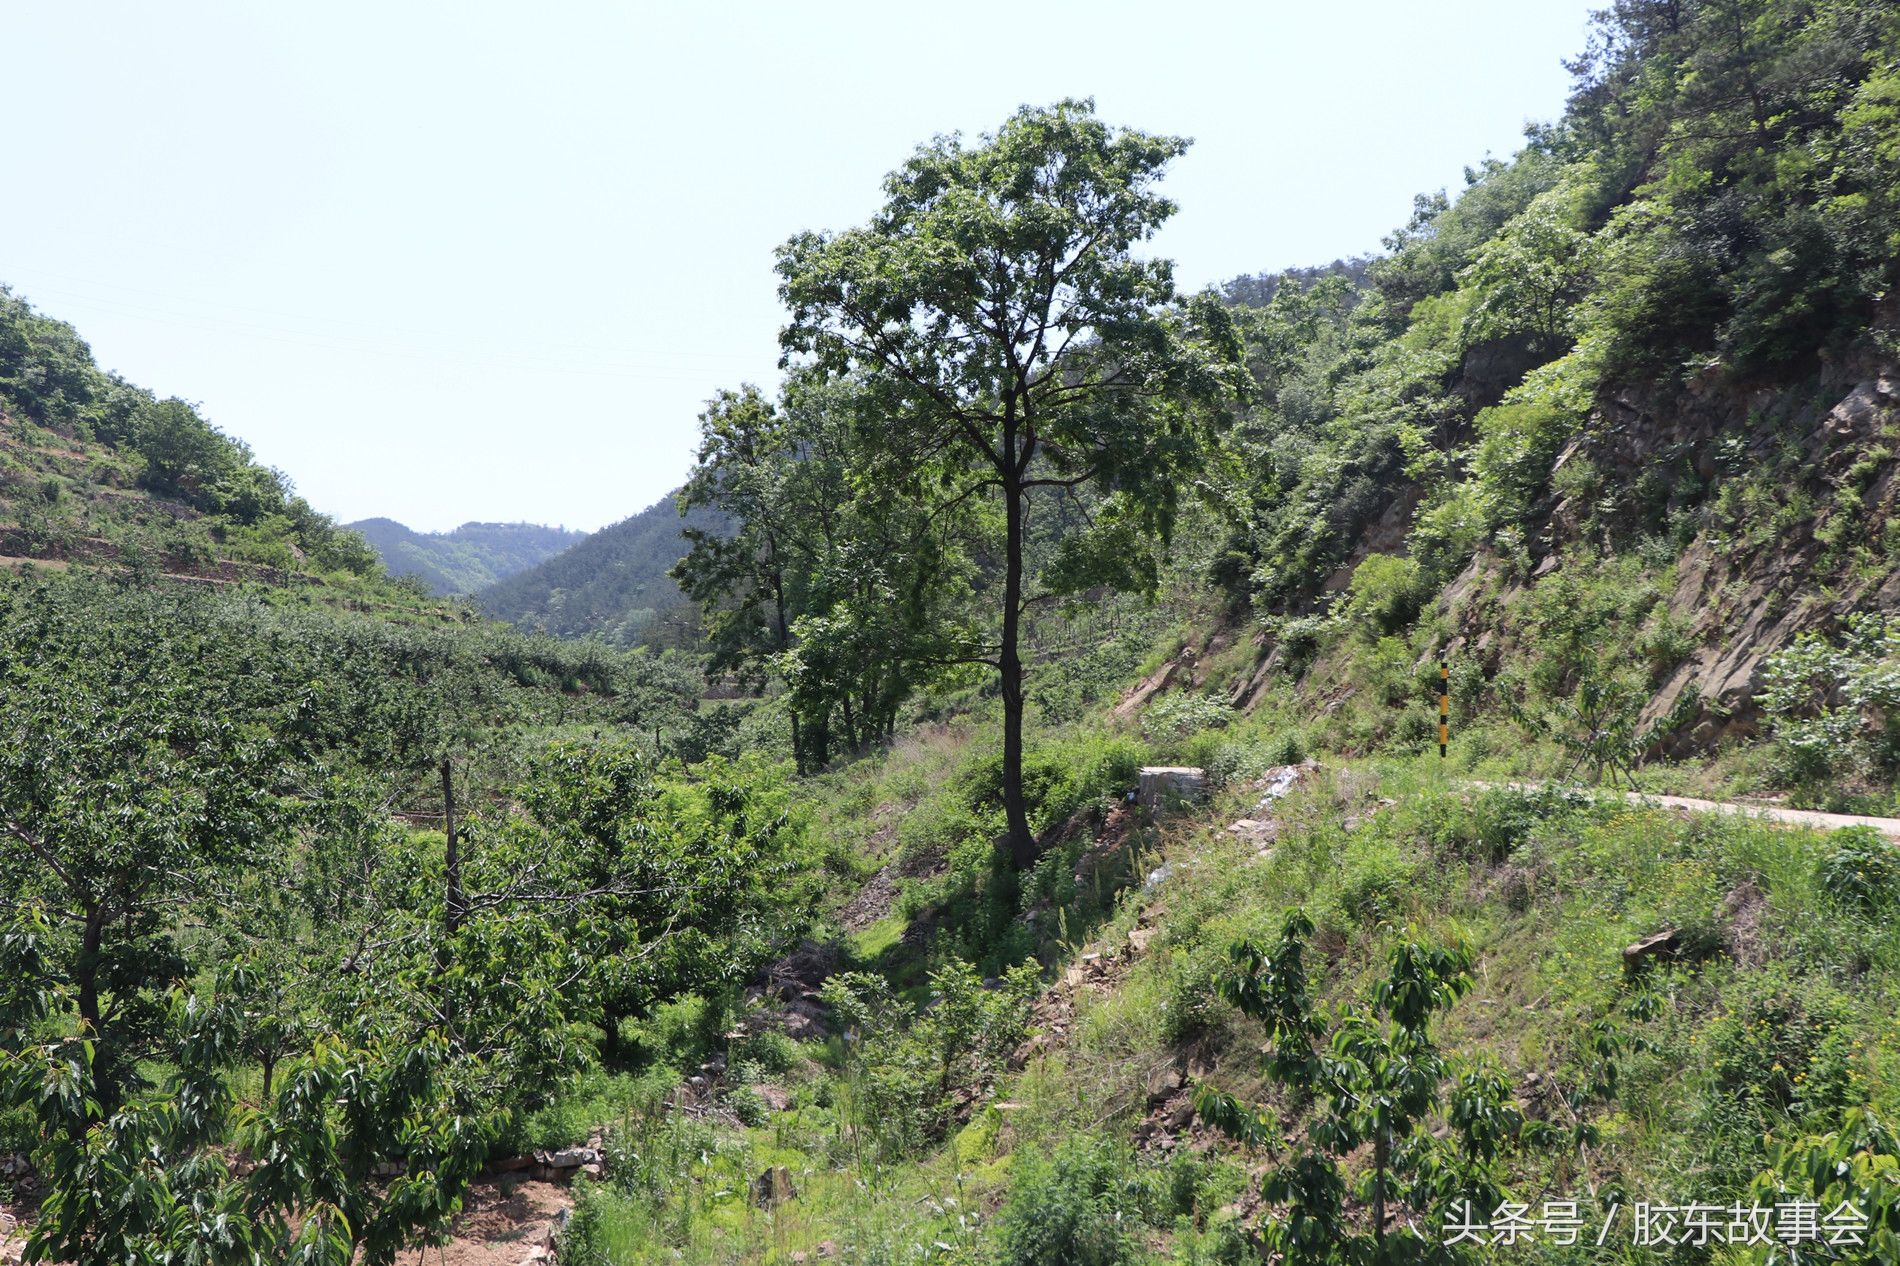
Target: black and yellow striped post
<point>1444,707</point>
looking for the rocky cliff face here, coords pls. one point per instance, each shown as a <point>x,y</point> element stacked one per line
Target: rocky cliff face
<point>1744,604</point>
<point>1793,503</point>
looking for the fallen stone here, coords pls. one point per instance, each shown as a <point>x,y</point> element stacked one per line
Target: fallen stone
<point>773,1187</point>
<point>1164,1083</point>
<point>1255,831</point>
<point>1661,944</point>
<point>1140,938</point>
<point>567,1158</point>
<point>1020,1057</point>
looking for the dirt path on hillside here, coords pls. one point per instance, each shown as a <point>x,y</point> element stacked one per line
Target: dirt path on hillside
<point>1889,827</point>
<point>505,1221</point>
<point>502,1223</point>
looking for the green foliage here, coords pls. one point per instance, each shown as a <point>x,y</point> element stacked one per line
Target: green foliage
<point>467,559</point>
<point>1386,593</point>
<point>1076,1207</point>
<point>1835,707</point>
<point>1856,1165</point>
<point>1180,713</point>
<point>1376,1078</point>
<point>1531,274</point>
<point>1861,870</point>
<point>614,585</point>
<point>197,790</point>
<point>1780,1045</point>
<point>1094,382</point>
<point>837,584</point>
<point>164,447</point>
<point>1518,445</point>
<point>903,1065</point>
<point>687,885</point>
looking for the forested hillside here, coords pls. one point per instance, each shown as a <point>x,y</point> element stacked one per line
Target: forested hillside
<point>467,559</point>
<point>612,585</point>
<point>94,469</point>
<point>1071,870</point>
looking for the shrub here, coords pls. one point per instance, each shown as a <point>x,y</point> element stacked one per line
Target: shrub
<point>1073,1208</point>
<point>1058,779</point>
<point>1177,715</point>
<point>1835,708</point>
<point>1504,818</point>
<point>1286,748</point>
<point>1191,1008</point>
<point>1517,445</point>
<point>1781,1044</point>
<point>1387,593</point>
<point>770,1051</point>
<point>1861,869</point>
<point>748,1105</point>
<point>584,1241</point>
<point>1372,888</point>
<point>903,1065</point>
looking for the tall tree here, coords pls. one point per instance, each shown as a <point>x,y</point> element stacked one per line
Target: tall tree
<point>1012,346</point>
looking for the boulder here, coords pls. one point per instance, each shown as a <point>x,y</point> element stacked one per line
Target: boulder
<point>772,1187</point>
<point>1663,944</point>
<point>1160,783</point>
<point>567,1158</point>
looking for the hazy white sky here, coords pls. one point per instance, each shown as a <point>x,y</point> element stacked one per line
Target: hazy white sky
<point>451,261</point>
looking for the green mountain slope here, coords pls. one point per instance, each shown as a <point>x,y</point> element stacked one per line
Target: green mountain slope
<point>95,470</point>
<point>612,585</point>
<point>469,558</point>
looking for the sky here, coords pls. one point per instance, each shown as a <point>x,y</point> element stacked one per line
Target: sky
<point>475,261</point>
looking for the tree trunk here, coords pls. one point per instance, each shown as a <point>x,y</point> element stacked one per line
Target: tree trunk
<point>612,1049</point>
<point>784,644</point>
<point>1381,1158</point>
<point>1022,844</point>
<point>452,854</point>
<point>818,740</point>
<point>87,968</point>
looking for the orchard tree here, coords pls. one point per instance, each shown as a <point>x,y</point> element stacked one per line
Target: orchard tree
<point>1374,1079</point>
<point>137,797</point>
<point>1011,346</point>
<point>657,886</point>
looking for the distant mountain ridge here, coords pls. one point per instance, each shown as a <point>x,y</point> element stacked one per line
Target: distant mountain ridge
<point>612,585</point>
<point>467,559</point>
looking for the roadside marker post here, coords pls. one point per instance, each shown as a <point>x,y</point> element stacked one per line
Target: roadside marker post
<point>1444,708</point>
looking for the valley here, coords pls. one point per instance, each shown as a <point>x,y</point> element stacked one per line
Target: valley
<point>993,813</point>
